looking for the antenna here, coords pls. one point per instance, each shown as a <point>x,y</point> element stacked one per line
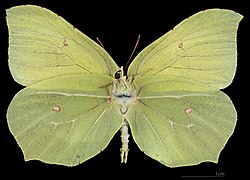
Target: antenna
<point>136,44</point>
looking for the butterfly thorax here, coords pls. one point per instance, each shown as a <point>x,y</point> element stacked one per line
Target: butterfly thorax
<point>123,93</point>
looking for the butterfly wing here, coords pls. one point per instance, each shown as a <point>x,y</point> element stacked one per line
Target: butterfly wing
<point>180,122</point>
<point>181,118</point>
<point>201,48</point>
<point>62,120</point>
<point>43,45</point>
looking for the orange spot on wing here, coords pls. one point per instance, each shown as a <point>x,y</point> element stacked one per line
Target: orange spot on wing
<point>56,108</point>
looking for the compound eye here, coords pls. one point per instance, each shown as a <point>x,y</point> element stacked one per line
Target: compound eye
<point>118,74</point>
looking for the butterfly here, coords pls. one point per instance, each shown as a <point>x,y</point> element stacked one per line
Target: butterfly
<point>76,98</point>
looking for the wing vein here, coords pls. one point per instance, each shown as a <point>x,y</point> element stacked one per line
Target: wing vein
<point>80,145</point>
<point>155,132</point>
